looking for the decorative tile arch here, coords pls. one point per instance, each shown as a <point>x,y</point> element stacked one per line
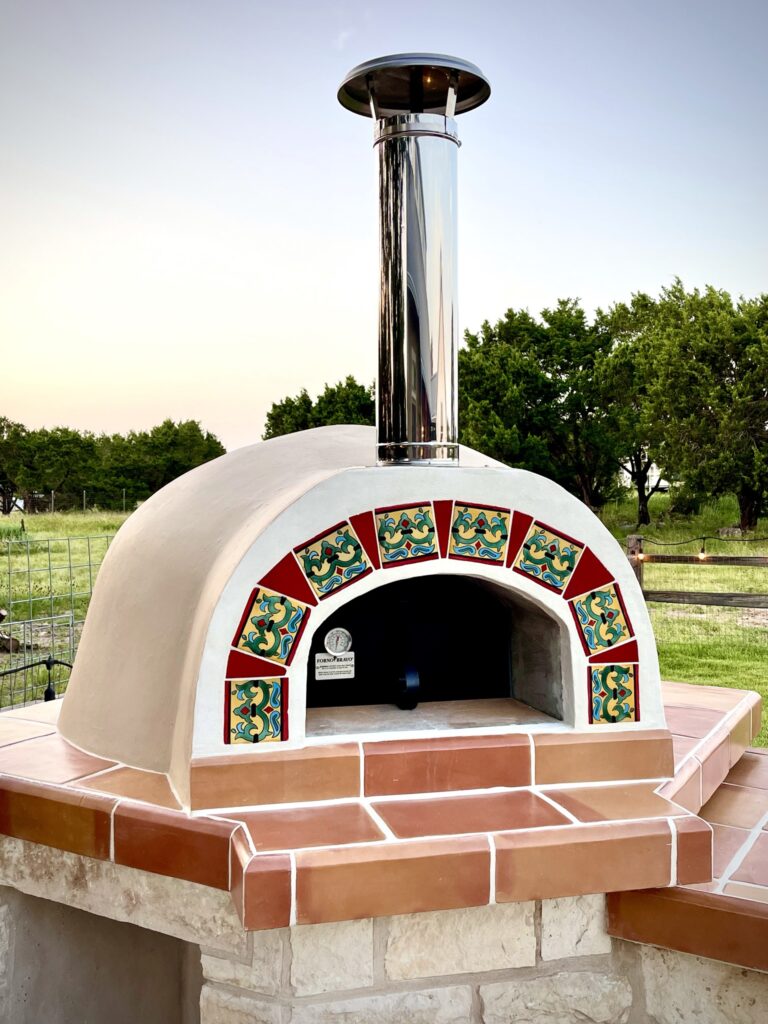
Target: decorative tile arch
<point>277,617</point>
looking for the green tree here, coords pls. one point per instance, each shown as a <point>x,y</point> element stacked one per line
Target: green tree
<point>345,402</point>
<point>708,399</point>
<point>528,396</point>
<point>11,441</point>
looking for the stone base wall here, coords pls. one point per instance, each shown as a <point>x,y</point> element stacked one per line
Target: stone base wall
<point>547,962</point>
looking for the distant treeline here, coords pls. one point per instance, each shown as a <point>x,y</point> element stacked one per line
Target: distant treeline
<point>675,385</point>
<point>111,469</point>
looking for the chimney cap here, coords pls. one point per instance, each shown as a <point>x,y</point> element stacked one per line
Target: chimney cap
<point>393,79</point>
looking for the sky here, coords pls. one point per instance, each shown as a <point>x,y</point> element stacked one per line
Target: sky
<point>188,218</point>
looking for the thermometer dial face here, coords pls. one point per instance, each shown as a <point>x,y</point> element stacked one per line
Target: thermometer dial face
<point>338,640</point>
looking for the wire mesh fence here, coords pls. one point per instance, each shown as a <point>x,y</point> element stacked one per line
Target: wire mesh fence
<point>45,590</point>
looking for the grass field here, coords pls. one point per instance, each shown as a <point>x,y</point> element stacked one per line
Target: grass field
<point>715,646</point>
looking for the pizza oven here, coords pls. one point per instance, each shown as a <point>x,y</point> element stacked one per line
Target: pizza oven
<point>355,584</point>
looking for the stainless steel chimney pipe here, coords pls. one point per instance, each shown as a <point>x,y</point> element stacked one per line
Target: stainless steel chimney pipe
<point>413,98</point>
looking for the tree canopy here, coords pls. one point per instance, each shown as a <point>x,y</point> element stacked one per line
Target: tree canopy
<point>673,387</point>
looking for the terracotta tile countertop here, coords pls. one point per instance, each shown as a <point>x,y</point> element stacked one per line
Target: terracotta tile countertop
<point>354,830</point>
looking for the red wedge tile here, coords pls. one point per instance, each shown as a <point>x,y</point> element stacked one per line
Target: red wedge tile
<point>435,765</point>
<point>624,654</point>
<point>685,788</point>
<point>452,815</point>
<point>582,859</point>
<point>295,827</point>
<point>56,816</point>
<point>518,531</point>
<point>690,921</point>
<point>594,757</point>
<point>364,526</point>
<point>170,843</point>
<point>49,759</point>
<point>694,850</point>
<point>276,777</point>
<point>443,520</point>
<point>287,578</point>
<point>589,574</point>
<point>349,883</point>
<point>241,665</point>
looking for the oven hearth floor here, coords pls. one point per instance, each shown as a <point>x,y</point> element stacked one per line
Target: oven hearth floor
<point>364,719</point>
<point>383,825</point>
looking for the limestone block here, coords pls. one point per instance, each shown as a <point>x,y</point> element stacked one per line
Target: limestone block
<point>189,911</point>
<point>261,974</point>
<point>332,957</point>
<point>570,997</point>
<point>573,926</point>
<point>218,1006</point>
<point>434,1006</point>
<point>457,941</point>
<point>679,988</point>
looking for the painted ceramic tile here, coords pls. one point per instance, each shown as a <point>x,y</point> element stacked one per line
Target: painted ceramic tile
<point>256,710</point>
<point>547,557</point>
<point>613,694</point>
<point>272,626</point>
<point>333,560</point>
<point>480,534</point>
<point>601,618</point>
<point>406,534</point>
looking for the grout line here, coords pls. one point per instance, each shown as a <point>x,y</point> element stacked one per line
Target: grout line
<point>362,767</point>
<point>292,918</point>
<point>435,795</point>
<point>112,831</point>
<point>379,820</point>
<point>533,759</point>
<point>561,809</point>
<point>492,886</point>
<point>738,857</point>
<point>673,852</point>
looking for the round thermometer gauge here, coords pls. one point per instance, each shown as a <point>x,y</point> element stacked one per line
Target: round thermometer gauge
<point>338,640</point>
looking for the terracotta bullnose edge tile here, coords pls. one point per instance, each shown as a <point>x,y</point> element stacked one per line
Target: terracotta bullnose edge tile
<point>349,883</point>
<point>747,891</point>
<point>172,843</point>
<point>714,757</point>
<point>685,788</point>
<point>741,734</point>
<point>267,891</point>
<point>240,855</point>
<point>324,772</point>
<point>757,717</point>
<point>55,816</point>
<point>694,849</point>
<point>607,757</point>
<point>582,859</point>
<point>436,765</point>
<point>691,921</point>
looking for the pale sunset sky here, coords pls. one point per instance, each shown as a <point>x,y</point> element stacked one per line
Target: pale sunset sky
<point>188,221</point>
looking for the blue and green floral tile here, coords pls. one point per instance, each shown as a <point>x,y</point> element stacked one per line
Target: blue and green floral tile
<point>333,560</point>
<point>613,694</point>
<point>602,619</point>
<point>257,711</point>
<point>547,557</point>
<point>406,534</point>
<point>271,626</point>
<point>479,533</point>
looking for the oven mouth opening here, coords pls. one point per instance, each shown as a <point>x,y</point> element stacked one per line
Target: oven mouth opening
<point>436,653</point>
